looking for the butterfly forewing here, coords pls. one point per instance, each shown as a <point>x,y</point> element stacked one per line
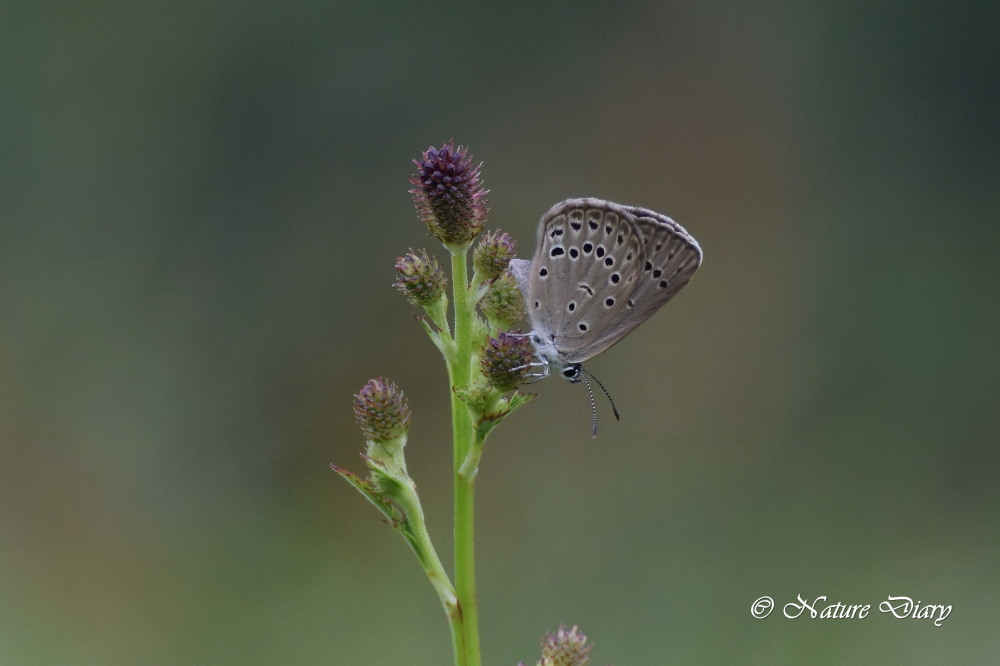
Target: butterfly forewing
<point>583,273</point>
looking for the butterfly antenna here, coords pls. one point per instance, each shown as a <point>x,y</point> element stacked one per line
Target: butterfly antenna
<point>593,404</point>
<point>610,399</point>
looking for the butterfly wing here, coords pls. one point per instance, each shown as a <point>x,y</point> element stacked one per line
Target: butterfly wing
<point>587,264</point>
<point>601,269</point>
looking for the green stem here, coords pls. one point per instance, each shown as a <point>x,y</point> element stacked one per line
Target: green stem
<point>420,541</point>
<point>460,373</point>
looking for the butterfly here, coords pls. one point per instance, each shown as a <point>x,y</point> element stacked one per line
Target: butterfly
<point>600,270</point>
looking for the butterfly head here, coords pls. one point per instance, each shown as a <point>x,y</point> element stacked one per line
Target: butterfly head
<point>572,373</point>
<point>552,359</point>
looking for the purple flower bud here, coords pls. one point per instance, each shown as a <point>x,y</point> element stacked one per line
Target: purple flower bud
<point>449,196</point>
<point>503,303</point>
<point>493,254</point>
<point>420,278</point>
<point>566,648</point>
<point>381,410</point>
<point>505,360</point>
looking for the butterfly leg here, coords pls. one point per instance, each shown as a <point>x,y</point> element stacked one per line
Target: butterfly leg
<point>541,363</point>
<point>535,376</point>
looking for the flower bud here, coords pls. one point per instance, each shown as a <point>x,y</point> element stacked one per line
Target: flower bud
<point>420,278</point>
<point>381,410</point>
<point>449,196</point>
<point>566,648</point>
<point>505,360</point>
<point>493,254</point>
<point>503,302</point>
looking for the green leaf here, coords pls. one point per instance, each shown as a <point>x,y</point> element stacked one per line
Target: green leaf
<point>388,508</point>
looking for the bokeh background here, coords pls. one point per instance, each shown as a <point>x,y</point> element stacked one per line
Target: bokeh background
<point>201,206</point>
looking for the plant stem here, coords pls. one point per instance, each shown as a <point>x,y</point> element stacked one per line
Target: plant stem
<point>420,541</point>
<point>460,373</point>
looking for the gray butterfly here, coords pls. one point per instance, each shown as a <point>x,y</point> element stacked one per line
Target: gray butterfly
<point>600,270</point>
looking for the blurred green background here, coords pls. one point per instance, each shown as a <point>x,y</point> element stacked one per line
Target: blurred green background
<point>201,206</point>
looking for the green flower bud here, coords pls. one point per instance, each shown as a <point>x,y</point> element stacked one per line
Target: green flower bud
<point>493,254</point>
<point>503,302</point>
<point>381,410</point>
<point>505,360</point>
<point>420,278</point>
